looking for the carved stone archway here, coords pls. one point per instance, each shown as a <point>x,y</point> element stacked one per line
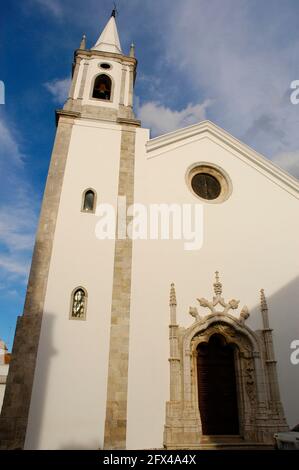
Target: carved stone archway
<point>260,409</point>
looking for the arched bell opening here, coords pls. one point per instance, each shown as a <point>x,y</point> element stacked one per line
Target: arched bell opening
<point>102,87</point>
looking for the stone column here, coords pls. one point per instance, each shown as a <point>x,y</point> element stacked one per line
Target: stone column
<point>270,359</point>
<point>174,360</point>
<point>74,79</point>
<point>117,391</point>
<point>123,85</point>
<point>131,86</point>
<point>83,79</point>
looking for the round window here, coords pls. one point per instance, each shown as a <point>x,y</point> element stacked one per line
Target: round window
<point>206,186</point>
<point>105,66</point>
<point>209,183</point>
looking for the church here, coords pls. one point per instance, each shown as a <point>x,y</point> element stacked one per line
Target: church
<point>140,342</point>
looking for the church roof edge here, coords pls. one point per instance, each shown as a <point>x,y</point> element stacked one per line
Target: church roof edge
<point>288,181</point>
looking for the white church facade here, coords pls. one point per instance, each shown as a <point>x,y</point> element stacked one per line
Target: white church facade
<point>4,367</point>
<point>103,358</point>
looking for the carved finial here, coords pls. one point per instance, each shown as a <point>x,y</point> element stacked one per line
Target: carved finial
<point>264,305</point>
<point>172,301</point>
<point>132,50</point>
<point>194,313</point>
<point>217,285</point>
<point>244,314</point>
<point>83,42</point>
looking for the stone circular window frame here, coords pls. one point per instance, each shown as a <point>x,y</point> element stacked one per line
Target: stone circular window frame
<point>218,173</point>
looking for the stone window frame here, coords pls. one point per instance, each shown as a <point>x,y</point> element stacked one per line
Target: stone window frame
<point>215,171</point>
<point>83,201</point>
<point>112,88</point>
<point>72,302</point>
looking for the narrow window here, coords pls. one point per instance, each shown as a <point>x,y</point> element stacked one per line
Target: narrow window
<point>102,87</point>
<point>89,199</point>
<point>78,304</point>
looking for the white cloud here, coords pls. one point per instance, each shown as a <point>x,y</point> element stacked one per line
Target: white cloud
<point>52,6</point>
<point>162,120</point>
<point>18,220</point>
<point>289,162</point>
<point>9,147</point>
<point>59,89</point>
<point>239,58</point>
<point>16,227</point>
<point>11,265</point>
<point>17,209</point>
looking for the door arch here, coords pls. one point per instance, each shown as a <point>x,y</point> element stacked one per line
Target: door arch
<point>217,387</point>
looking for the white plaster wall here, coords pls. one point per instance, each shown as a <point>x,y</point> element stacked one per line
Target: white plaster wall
<point>69,394</point>
<point>252,239</point>
<point>3,375</point>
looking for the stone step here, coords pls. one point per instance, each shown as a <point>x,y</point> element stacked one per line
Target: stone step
<point>231,443</point>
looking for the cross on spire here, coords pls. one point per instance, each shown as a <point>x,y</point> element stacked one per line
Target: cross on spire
<point>114,11</point>
<point>109,40</point>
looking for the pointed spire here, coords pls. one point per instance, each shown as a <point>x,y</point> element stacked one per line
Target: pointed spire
<point>172,301</point>
<point>109,39</point>
<point>264,305</point>
<point>264,310</point>
<point>217,285</point>
<point>132,50</point>
<point>83,43</point>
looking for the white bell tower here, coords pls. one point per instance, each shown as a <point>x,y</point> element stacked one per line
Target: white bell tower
<point>72,342</point>
<point>103,78</point>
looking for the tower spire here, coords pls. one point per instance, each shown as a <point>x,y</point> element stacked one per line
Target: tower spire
<point>109,39</point>
<point>264,310</point>
<point>172,300</point>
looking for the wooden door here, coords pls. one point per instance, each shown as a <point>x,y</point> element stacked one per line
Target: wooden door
<point>217,394</point>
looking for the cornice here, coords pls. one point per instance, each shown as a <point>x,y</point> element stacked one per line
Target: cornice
<point>159,145</point>
<point>107,55</point>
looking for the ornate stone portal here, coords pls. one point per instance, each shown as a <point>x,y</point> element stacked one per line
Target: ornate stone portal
<point>259,406</point>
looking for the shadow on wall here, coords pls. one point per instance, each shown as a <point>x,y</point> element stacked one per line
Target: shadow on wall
<point>284,320</point>
<point>39,395</point>
<point>35,438</point>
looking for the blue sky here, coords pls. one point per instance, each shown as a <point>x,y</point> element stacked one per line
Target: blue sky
<point>230,61</point>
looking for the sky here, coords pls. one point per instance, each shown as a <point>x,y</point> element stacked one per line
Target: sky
<point>229,61</point>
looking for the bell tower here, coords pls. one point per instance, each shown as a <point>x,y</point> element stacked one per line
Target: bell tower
<point>103,78</point>
<point>69,368</point>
